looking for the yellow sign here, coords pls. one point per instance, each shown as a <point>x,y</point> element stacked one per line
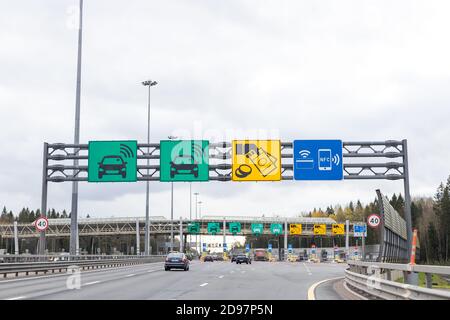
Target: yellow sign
<point>295,228</point>
<point>338,228</point>
<point>320,229</point>
<point>256,160</point>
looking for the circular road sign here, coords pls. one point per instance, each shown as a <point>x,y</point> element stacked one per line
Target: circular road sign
<point>41,224</point>
<point>373,220</point>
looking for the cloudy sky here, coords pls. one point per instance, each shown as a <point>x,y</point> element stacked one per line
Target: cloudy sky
<point>350,70</point>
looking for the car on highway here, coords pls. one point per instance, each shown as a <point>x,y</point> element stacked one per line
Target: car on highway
<point>176,260</point>
<point>243,258</point>
<point>208,258</point>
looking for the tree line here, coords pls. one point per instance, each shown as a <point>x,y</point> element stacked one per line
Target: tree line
<point>26,215</point>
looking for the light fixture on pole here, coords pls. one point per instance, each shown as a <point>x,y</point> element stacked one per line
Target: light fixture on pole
<point>147,247</point>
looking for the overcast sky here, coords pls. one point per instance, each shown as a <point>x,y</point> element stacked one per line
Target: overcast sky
<point>350,70</point>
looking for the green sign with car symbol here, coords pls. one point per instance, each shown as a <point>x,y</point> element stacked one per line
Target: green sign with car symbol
<point>184,160</point>
<point>112,161</point>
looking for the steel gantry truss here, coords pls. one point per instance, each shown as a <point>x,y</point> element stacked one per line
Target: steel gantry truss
<point>365,160</point>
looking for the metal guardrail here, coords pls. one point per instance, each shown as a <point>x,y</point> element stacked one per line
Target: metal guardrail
<point>375,279</point>
<point>46,265</point>
<point>61,257</point>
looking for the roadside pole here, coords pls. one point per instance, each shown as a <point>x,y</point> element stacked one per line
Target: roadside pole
<point>16,239</point>
<point>224,235</point>
<point>181,235</point>
<point>138,244</point>
<point>285,240</point>
<point>347,230</point>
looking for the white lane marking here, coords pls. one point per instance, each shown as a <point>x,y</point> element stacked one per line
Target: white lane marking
<point>151,271</point>
<point>16,298</point>
<point>62,274</point>
<point>93,282</point>
<point>204,284</point>
<point>307,269</point>
<point>220,277</point>
<point>312,289</point>
<point>130,275</point>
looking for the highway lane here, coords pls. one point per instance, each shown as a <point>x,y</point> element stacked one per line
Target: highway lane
<point>205,281</point>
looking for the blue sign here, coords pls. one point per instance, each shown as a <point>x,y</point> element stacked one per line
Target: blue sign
<point>204,247</point>
<point>224,247</point>
<point>359,230</point>
<point>318,160</point>
<point>269,247</point>
<point>247,248</point>
<point>290,248</point>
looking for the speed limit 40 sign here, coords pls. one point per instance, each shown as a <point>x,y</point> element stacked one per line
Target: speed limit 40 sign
<point>41,224</point>
<point>373,220</point>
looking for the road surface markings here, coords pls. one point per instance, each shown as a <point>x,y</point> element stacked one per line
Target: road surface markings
<point>130,275</point>
<point>16,298</point>
<point>312,289</point>
<point>152,270</point>
<point>220,277</point>
<point>64,274</point>
<point>204,284</point>
<point>307,269</point>
<point>93,282</point>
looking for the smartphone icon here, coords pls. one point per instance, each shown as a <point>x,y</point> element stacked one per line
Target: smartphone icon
<point>263,161</point>
<point>324,159</point>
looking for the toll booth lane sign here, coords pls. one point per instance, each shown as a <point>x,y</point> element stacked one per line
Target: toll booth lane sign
<point>320,229</point>
<point>213,227</point>
<point>318,160</point>
<point>295,228</point>
<point>184,160</point>
<point>276,228</point>
<point>234,227</point>
<point>112,161</point>
<point>338,229</point>
<point>194,227</point>
<point>257,228</point>
<point>256,160</point>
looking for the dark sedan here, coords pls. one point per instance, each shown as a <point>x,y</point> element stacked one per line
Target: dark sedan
<point>242,258</point>
<point>176,260</point>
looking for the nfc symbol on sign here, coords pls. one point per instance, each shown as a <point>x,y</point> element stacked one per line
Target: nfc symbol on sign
<point>373,220</point>
<point>41,224</point>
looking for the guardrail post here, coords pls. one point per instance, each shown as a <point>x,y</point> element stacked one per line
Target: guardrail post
<point>428,280</point>
<point>138,249</point>
<point>347,230</point>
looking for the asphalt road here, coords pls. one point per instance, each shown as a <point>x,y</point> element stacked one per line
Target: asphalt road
<point>204,281</point>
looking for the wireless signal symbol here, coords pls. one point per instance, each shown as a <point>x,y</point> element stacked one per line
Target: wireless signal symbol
<point>126,151</point>
<point>336,159</point>
<point>304,154</point>
<point>197,152</point>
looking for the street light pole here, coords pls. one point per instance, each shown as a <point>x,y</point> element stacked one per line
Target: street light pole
<point>147,247</point>
<point>74,249</point>
<point>171,205</point>
<point>171,216</point>
<point>196,236</point>
<point>200,217</point>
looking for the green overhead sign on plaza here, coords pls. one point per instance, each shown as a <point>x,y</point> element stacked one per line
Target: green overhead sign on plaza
<point>184,160</point>
<point>112,161</point>
<point>213,227</point>
<point>194,227</point>
<point>276,228</point>
<point>257,228</point>
<point>235,227</point>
